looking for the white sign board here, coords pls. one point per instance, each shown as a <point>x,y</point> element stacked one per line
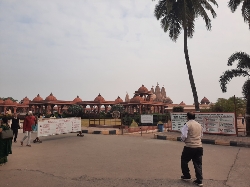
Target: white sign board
<point>58,126</point>
<point>146,118</point>
<point>214,123</point>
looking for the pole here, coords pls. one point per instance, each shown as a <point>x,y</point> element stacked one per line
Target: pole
<point>235,117</point>
<point>121,124</point>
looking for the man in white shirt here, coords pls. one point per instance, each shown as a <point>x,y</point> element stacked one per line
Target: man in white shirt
<point>191,134</point>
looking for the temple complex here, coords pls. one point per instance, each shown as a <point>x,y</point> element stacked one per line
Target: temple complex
<point>143,101</point>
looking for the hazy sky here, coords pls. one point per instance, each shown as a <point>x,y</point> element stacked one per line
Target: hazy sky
<point>86,47</point>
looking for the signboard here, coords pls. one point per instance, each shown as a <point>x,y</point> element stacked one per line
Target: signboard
<point>213,123</point>
<point>49,126</point>
<point>146,118</point>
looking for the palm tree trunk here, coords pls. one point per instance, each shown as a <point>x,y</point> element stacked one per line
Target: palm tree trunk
<point>190,74</point>
<point>248,116</point>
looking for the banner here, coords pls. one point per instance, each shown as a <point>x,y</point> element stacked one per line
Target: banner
<point>212,123</point>
<point>146,118</point>
<point>48,126</point>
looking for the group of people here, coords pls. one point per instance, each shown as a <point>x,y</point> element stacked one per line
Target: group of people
<point>6,144</point>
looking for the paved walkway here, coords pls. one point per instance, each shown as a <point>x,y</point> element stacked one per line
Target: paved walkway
<point>226,140</point>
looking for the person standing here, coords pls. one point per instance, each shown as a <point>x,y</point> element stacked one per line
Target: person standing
<point>15,125</point>
<point>5,144</point>
<point>28,122</point>
<point>191,134</point>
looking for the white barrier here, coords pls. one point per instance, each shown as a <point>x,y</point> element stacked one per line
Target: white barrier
<point>48,126</point>
<point>212,123</point>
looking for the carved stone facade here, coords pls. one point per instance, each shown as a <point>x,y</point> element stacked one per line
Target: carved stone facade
<point>159,95</point>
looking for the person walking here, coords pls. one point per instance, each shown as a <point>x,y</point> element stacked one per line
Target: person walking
<point>5,144</point>
<point>27,125</point>
<point>15,125</point>
<point>191,134</point>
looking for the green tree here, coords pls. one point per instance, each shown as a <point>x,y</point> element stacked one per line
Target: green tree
<point>242,69</point>
<point>117,107</point>
<point>245,9</point>
<point>178,109</point>
<point>75,109</point>
<point>11,98</point>
<point>227,105</point>
<point>176,15</point>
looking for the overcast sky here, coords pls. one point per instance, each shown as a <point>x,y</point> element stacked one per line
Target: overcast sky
<point>86,47</point>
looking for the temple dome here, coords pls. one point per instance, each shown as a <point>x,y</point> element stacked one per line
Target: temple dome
<point>38,98</point>
<point>182,103</point>
<point>205,101</point>
<point>26,100</point>
<point>99,98</point>
<point>77,99</point>
<point>118,100</point>
<point>8,102</point>
<point>136,99</point>
<point>142,89</point>
<point>51,98</point>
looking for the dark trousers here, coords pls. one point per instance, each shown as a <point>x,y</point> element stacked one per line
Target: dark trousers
<point>194,154</point>
<point>15,133</point>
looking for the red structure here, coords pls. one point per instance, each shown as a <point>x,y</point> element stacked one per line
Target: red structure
<point>143,101</point>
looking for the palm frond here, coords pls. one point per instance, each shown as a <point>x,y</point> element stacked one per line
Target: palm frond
<point>246,89</point>
<point>190,19</point>
<point>228,75</point>
<point>167,12</point>
<point>233,4</point>
<point>174,27</point>
<point>175,15</point>
<point>246,11</point>
<point>160,9</point>
<point>165,23</point>
<point>208,7</point>
<point>214,2</point>
<point>201,12</point>
<point>242,58</point>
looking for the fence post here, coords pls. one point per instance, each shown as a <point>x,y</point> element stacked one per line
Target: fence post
<point>235,117</point>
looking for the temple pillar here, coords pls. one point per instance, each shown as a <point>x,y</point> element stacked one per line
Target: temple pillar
<point>15,110</point>
<point>84,108</point>
<point>46,109</point>
<point>98,108</point>
<point>39,109</point>
<point>106,108</point>
<point>52,108</point>
<point>58,109</point>
<point>61,109</point>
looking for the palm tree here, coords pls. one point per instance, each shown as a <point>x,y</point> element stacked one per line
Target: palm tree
<point>176,15</point>
<point>242,69</point>
<point>245,10</point>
